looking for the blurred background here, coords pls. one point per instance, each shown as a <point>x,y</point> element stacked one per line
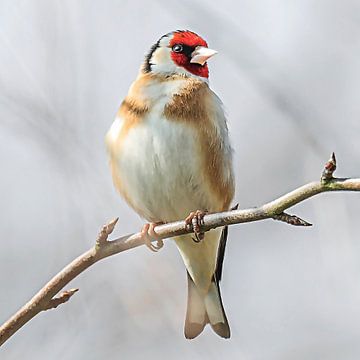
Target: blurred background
<point>288,73</point>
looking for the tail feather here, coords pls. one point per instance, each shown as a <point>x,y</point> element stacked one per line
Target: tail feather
<point>203,310</point>
<point>196,317</point>
<point>215,311</point>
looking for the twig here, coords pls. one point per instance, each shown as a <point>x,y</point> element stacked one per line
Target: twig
<point>61,299</point>
<point>329,169</point>
<point>105,232</point>
<point>291,219</point>
<point>103,248</point>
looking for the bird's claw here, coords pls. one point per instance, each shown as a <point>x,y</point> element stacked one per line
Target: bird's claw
<point>194,221</point>
<point>148,234</point>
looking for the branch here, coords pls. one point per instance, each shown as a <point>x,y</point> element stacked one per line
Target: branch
<point>46,298</point>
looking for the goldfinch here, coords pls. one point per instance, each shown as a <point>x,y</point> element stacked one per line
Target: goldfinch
<point>170,156</point>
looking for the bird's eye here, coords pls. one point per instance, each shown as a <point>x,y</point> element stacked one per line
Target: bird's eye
<point>177,48</point>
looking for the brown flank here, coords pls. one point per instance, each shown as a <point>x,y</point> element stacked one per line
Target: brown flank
<point>131,113</point>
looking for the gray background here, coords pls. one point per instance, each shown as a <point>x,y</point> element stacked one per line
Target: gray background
<point>288,73</point>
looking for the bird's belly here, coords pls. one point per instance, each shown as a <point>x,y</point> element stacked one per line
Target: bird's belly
<point>159,169</point>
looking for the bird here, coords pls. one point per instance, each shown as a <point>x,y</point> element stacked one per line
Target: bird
<point>171,158</point>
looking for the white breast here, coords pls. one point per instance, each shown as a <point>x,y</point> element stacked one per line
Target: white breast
<point>159,169</point>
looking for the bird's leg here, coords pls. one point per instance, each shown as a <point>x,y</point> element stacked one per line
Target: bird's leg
<point>148,233</point>
<point>195,220</point>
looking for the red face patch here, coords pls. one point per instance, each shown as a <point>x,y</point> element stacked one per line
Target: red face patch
<point>189,41</point>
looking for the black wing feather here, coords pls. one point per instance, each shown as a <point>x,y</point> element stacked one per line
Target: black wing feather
<point>221,254</point>
<point>221,250</point>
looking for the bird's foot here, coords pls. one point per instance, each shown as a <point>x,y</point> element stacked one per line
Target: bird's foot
<point>195,220</point>
<point>148,234</point>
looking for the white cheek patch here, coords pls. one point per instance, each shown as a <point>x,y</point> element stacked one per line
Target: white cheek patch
<point>162,62</point>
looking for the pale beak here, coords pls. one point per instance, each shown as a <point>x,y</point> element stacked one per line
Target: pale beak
<point>201,54</point>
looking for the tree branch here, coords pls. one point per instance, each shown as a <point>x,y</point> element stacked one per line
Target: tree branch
<point>46,298</point>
